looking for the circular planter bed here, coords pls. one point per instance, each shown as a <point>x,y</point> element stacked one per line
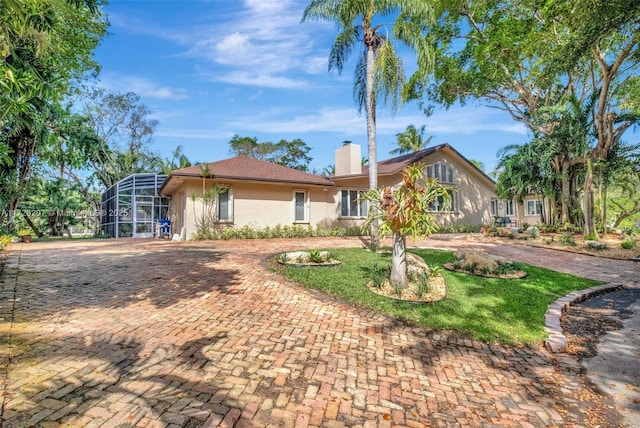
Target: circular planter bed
<point>516,274</point>
<point>435,290</point>
<point>307,258</point>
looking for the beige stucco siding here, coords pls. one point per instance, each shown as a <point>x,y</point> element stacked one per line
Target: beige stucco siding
<point>474,192</point>
<point>256,205</point>
<point>261,205</point>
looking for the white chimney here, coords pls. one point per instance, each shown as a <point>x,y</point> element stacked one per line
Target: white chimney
<point>348,159</point>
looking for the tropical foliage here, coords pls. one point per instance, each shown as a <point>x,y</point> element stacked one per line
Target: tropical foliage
<point>407,211</point>
<point>565,69</point>
<point>379,72</point>
<point>293,154</point>
<point>410,141</point>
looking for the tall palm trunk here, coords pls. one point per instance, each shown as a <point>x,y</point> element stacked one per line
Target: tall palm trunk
<point>371,140</point>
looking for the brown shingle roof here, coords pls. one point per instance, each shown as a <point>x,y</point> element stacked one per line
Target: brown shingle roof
<point>397,164</point>
<point>250,169</point>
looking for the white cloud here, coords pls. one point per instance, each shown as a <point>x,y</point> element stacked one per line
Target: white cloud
<point>143,87</point>
<point>246,78</point>
<point>264,45</point>
<point>343,120</point>
<point>193,134</point>
<point>347,121</point>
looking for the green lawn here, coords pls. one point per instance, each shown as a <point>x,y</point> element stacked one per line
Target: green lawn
<point>505,311</point>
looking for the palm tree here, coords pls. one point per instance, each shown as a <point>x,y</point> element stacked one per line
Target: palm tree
<point>379,71</point>
<point>410,141</point>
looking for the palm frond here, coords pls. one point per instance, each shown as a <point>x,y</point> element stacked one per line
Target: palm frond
<point>342,46</point>
<point>389,75</point>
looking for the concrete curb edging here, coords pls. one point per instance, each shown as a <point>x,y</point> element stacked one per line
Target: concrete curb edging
<point>556,342</point>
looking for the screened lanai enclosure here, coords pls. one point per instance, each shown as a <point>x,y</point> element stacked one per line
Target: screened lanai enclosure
<point>132,207</point>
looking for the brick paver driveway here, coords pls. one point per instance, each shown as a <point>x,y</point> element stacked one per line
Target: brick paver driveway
<point>149,333</point>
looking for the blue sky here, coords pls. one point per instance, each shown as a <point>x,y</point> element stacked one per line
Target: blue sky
<point>212,69</point>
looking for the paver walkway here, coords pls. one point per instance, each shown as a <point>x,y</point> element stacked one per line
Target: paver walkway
<point>152,333</point>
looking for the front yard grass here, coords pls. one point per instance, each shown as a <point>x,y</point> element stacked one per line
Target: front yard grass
<point>508,311</point>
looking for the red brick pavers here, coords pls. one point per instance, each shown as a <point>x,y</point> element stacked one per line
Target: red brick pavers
<point>153,333</point>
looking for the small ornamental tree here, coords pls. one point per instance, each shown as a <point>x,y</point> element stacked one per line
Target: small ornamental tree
<point>407,211</point>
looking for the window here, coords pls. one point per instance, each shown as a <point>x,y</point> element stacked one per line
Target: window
<point>224,205</point>
<point>352,204</point>
<point>300,206</point>
<point>533,208</point>
<point>510,210</point>
<point>494,207</point>
<point>441,171</point>
<point>440,206</point>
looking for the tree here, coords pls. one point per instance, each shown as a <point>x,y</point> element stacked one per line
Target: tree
<point>478,164</point>
<point>56,203</point>
<point>293,154</point>
<point>410,141</point>
<point>178,160</point>
<point>407,211</point>
<point>123,130</point>
<point>45,46</point>
<point>520,173</point>
<point>379,71</point>
<point>524,56</point>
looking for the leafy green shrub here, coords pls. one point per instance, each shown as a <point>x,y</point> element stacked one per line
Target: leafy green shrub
<point>277,231</point>
<point>397,290</point>
<point>596,245</point>
<point>523,228</point>
<point>378,275</point>
<point>471,267</point>
<point>548,228</point>
<point>423,285</point>
<point>631,231</point>
<point>628,243</point>
<point>506,268</point>
<point>5,240</point>
<point>315,256</point>
<point>534,232</point>
<point>435,270</point>
<point>591,237</point>
<point>567,239</point>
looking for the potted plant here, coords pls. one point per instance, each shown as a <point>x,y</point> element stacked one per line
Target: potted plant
<point>25,235</point>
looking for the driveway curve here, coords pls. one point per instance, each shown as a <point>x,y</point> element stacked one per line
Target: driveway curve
<point>129,332</point>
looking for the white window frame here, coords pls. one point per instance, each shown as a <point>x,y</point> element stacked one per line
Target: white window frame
<point>494,207</point>
<point>454,202</point>
<point>443,172</point>
<point>305,211</point>
<point>536,208</point>
<point>229,206</point>
<point>363,205</point>
<point>509,208</point>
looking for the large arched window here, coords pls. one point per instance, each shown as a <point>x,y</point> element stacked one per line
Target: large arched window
<point>446,175</point>
<point>443,172</point>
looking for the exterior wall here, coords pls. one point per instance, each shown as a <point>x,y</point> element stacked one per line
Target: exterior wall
<point>473,192</point>
<point>259,205</point>
<point>524,216</point>
<point>256,205</point>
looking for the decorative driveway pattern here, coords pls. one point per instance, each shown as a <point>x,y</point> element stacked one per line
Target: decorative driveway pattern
<point>153,333</point>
